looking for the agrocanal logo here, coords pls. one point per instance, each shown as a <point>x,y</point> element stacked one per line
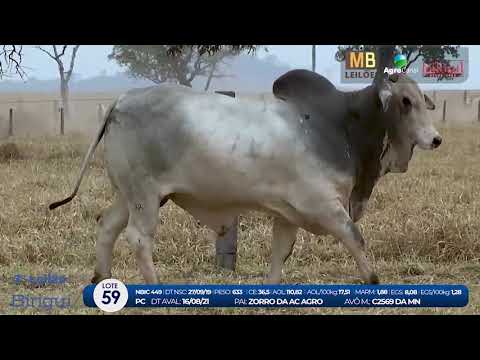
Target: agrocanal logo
<point>400,61</point>
<point>400,64</point>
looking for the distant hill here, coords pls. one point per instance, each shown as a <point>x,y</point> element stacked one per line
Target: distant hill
<point>104,83</point>
<point>249,74</point>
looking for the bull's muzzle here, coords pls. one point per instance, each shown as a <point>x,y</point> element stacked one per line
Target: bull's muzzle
<point>436,142</point>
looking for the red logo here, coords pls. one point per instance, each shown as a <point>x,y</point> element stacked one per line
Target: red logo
<point>437,69</point>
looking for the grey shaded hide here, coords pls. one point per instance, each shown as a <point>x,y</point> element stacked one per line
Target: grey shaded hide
<point>347,129</point>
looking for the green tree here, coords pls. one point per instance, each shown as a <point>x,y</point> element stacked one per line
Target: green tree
<point>159,63</point>
<point>176,50</point>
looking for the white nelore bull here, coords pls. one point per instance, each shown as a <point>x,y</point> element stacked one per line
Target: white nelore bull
<point>307,153</point>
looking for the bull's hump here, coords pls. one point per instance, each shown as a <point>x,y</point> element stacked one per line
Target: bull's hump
<point>302,83</point>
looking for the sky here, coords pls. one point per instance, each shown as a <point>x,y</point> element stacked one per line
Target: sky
<point>92,60</point>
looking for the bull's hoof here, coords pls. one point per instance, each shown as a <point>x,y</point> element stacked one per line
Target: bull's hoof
<point>98,278</point>
<point>226,261</point>
<point>374,280</point>
<point>272,280</point>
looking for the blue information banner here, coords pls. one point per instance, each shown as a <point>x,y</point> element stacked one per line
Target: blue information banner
<point>288,295</point>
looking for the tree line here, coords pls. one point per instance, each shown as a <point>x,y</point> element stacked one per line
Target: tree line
<point>183,63</point>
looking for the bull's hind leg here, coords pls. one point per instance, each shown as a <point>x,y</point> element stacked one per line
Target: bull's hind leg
<point>109,226</point>
<point>284,236</point>
<point>226,247</point>
<point>141,226</point>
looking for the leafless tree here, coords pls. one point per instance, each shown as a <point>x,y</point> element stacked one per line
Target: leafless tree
<point>65,75</point>
<point>11,60</point>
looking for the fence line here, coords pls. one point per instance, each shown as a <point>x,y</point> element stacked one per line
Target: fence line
<point>17,118</point>
<point>58,112</point>
<point>54,100</point>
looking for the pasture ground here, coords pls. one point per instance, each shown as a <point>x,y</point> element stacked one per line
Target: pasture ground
<point>423,227</point>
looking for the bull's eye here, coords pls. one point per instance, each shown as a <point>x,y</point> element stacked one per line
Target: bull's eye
<point>406,102</point>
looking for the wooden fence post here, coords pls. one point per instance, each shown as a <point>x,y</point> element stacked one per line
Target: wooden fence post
<point>100,113</point>
<point>226,244</point>
<point>62,122</point>
<point>54,118</point>
<point>10,122</point>
<point>444,119</point>
<point>478,116</point>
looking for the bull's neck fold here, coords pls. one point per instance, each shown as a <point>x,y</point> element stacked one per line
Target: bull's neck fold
<point>366,132</point>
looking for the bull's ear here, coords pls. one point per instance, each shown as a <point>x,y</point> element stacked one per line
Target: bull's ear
<point>301,84</point>
<point>385,95</point>
<point>429,102</point>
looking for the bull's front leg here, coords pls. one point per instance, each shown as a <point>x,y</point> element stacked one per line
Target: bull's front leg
<point>337,222</point>
<point>284,236</point>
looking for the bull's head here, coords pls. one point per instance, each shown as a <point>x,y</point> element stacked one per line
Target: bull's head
<point>407,118</point>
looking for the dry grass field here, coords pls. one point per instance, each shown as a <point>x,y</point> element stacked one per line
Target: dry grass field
<point>422,226</point>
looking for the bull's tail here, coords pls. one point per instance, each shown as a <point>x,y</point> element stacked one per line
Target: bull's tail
<point>91,150</point>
